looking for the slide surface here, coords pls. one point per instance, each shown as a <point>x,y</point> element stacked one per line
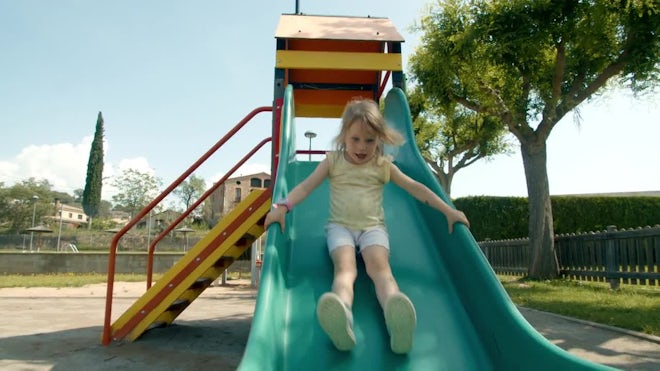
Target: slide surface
<point>465,319</point>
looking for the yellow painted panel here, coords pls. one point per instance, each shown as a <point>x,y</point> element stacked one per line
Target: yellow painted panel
<point>299,59</point>
<point>319,110</point>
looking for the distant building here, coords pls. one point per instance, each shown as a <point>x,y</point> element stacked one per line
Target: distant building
<point>153,220</point>
<point>160,220</point>
<point>120,217</point>
<point>70,216</point>
<point>233,191</point>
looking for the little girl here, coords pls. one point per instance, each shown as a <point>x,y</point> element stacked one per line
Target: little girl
<point>357,172</point>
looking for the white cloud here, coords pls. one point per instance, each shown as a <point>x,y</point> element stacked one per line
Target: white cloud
<point>140,164</point>
<point>63,165</point>
<point>8,172</point>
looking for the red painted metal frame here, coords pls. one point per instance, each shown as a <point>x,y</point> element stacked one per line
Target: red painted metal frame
<point>191,266</point>
<point>312,152</point>
<point>202,198</point>
<point>112,257</point>
<point>277,138</point>
<point>381,89</point>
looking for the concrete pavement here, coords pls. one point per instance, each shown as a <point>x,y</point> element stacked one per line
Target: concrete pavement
<point>60,329</point>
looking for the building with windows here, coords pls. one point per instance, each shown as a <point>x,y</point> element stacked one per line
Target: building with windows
<point>70,216</point>
<point>233,191</point>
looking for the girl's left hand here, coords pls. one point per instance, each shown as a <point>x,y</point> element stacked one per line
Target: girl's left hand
<point>276,215</point>
<point>456,216</point>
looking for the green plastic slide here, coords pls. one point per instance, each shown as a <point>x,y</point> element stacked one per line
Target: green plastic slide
<point>465,319</point>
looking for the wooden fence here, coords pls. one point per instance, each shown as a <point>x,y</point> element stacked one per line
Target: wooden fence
<point>626,256</point>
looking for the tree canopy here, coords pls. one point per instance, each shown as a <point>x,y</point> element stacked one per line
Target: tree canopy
<point>451,137</point>
<point>190,190</point>
<point>18,203</point>
<point>526,64</point>
<point>135,189</point>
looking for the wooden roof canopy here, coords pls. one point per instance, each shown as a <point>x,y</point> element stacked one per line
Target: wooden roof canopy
<point>329,60</point>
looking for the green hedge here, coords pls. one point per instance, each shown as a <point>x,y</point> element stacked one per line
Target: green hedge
<point>498,218</point>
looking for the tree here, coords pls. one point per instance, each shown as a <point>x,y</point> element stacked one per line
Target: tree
<point>135,190</point>
<point>190,190</point>
<point>91,197</point>
<point>105,209</point>
<point>17,203</point>
<point>452,137</point>
<point>64,197</point>
<point>78,195</point>
<point>528,64</point>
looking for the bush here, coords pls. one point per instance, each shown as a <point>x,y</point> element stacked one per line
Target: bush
<point>498,218</point>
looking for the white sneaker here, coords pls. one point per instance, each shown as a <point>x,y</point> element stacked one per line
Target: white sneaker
<point>336,320</point>
<point>401,320</point>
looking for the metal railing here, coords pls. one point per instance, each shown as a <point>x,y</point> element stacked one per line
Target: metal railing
<point>115,241</point>
<point>615,256</point>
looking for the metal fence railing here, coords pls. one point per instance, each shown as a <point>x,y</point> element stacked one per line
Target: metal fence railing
<point>615,256</point>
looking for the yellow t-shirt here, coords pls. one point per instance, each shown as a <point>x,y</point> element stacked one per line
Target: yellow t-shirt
<point>356,191</point>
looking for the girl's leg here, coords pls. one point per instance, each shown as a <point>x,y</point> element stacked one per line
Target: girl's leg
<point>345,273</point>
<point>377,262</point>
<point>400,316</point>
<point>334,308</point>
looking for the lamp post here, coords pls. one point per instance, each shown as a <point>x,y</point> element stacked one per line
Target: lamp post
<point>35,198</point>
<point>149,230</point>
<point>59,232</point>
<point>310,135</point>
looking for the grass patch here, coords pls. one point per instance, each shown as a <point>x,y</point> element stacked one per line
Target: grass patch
<point>81,279</point>
<point>65,279</point>
<point>630,307</point>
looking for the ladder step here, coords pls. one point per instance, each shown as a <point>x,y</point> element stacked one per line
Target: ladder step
<point>201,282</point>
<point>223,262</point>
<point>246,240</point>
<point>179,305</point>
<point>157,324</point>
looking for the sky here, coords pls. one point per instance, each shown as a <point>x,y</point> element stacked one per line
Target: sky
<point>173,77</point>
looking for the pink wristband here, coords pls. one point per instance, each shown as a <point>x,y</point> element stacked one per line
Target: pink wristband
<point>286,203</point>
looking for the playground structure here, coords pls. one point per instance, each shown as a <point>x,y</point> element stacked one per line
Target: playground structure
<point>465,319</point>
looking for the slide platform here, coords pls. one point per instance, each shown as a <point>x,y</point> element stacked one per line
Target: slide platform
<point>465,319</point>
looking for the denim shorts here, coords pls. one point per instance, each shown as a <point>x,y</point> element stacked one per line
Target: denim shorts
<point>338,235</point>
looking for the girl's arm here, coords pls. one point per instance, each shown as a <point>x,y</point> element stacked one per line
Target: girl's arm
<point>298,194</point>
<point>425,195</point>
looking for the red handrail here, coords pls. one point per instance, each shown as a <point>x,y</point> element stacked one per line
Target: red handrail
<point>312,152</point>
<point>112,257</point>
<point>381,89</point>
<point>202,198</point>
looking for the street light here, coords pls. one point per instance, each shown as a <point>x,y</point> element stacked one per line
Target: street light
<point>59,232</point>
<point>310,135</point>
<point>35,198</point>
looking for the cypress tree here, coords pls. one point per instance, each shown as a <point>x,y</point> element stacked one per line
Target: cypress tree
<point>91,198</point>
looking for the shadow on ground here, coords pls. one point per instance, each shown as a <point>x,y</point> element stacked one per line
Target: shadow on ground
<point>185,345</point>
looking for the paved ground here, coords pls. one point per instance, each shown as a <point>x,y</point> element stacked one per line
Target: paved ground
<point>60,329</point>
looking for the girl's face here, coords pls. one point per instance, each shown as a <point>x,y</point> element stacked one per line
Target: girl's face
<point>361,143</point>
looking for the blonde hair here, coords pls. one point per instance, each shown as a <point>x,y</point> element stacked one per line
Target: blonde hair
<point>368,113</point>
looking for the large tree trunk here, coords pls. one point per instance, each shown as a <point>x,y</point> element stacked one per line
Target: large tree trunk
<point>443,178</point>
<point>543,262</point>
<point>445,182</point>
